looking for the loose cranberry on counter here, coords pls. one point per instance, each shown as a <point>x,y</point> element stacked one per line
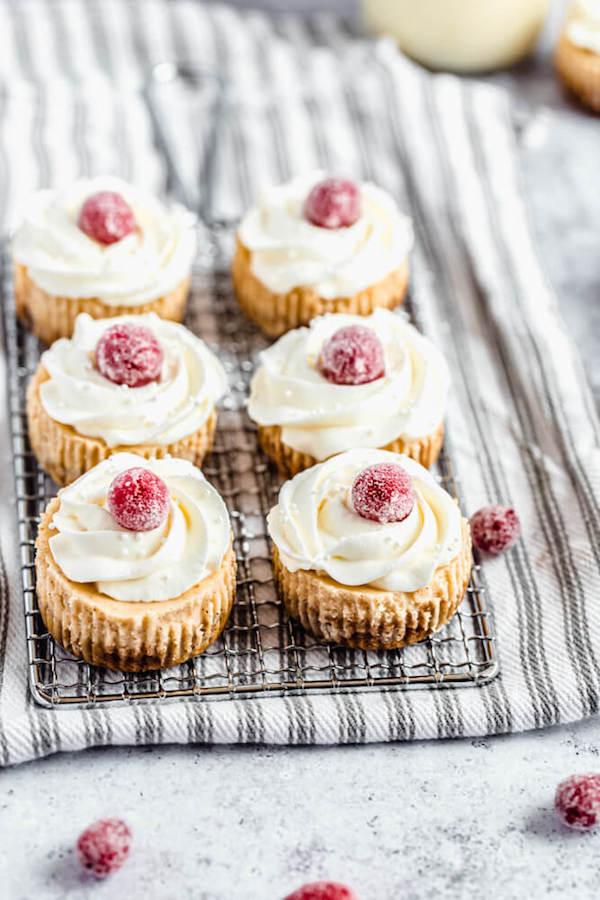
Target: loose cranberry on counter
<point>333,203</point>
<point>106,217</point>
<point>104,846</point>
<point>129,354</point>
<point>323,890</point>
<point>138,500</point>
<point>383,493</point>
<point>577,801</point>
<point>495,529</point>
<point>352,355</point>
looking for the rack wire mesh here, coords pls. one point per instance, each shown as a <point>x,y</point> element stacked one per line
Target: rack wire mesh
<point>261,650</point>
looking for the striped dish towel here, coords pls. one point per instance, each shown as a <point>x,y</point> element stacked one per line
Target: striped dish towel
<point>521,424</point>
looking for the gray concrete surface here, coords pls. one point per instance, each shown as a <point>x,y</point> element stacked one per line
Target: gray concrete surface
<point>448,820</point>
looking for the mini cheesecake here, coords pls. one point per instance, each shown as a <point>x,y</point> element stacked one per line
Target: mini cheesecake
<point>134,563</point>
<point>135,383</point>
<point>103,247</point>
<point>317,245</point>
<point>577,55</point>
<point>369,551</point>
<point>349,381</point>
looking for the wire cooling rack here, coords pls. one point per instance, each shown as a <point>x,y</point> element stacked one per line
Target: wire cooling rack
<point>261,650</point>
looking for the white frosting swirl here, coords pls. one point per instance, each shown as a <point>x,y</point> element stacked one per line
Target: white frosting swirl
<point>192,381</point>
<point>288,251</point>
<point>583,24</point>
<point>314,526</point>
<point>321,418</point>
<point>141,267</point>
<point>147,567</point>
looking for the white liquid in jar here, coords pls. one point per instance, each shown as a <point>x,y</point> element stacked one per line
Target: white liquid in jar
<point>459,35</point>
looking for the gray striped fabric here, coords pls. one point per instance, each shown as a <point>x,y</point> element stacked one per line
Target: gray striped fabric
<point>521,424</point>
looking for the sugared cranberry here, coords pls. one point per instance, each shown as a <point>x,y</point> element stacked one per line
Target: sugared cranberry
<point>104,846</point>
<point>129,354</point>
<point>353,355</point>
<point>323,890</point>
<point>384,493</point>
<point>106,217</point>
<point>577,801</point>
<point>138,500</point>
<point>333,203</point>
<point>495,528</point>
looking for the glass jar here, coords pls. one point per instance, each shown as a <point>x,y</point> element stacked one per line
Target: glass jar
<point>459,35</point>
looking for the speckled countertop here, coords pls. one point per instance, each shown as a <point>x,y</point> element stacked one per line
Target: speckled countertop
<point>452,819</point>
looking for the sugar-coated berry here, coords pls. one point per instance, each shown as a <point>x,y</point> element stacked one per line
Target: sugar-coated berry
<point>323,890</point>
<point>577,801</point>
<point>495,528</point>
<point>106,217</point>
<point>138,500</point>
<point>129,354</point>
<point>104,846</point>
<point>352,355</point>
<point>333,203</point>
<point>383,493</point>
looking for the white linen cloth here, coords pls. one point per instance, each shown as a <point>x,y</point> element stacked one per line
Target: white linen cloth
<point>521,426</point>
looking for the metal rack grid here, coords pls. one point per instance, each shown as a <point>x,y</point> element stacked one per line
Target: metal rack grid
<point>261,650</point>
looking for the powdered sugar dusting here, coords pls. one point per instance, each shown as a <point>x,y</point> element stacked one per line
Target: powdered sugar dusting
<point>495,529</point>
<point>104,846</point>
<point>129,354</point>
<point>352,355</point>
<point>383,493</point>
<point>106,217</point>
<point>323,890</point>
<point>577,801</point>
<point>138,500</point>
<point>333,203</point>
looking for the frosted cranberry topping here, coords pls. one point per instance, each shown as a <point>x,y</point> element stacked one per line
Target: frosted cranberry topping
<point>353,355</point>
<point>323,890</point>
<point>138,500</point>
<point>129,354</point>
<point>106,217</point>
<point>104,846</point>
<point>333,203</point>
<point>384,493</point>
<point>495,528</point>
<point>577,801</point>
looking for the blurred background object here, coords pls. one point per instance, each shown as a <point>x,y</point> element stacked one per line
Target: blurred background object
<point>460,35</point>
<point>465,36</point>
<point>340,7</point>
